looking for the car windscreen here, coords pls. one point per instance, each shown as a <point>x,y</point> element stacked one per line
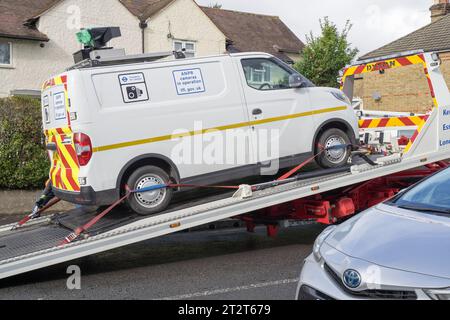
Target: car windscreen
<point>431,195</point>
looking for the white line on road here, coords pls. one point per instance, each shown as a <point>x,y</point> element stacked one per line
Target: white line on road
<point>228,290</point>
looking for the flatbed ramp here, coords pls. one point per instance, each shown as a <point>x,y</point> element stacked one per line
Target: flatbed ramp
<point>37,245</point>
<point>47,232</point>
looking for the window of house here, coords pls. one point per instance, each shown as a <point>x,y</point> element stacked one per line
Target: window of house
<point>5,54</point>
<point>266,74</point>
<point>260,76</point>
<point>187,46</point>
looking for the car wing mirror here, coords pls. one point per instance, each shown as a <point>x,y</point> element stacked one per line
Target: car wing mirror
<point>296,81</point>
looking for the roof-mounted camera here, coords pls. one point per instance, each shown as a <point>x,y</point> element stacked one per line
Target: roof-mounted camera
<point>94,39</point>
<point>95,51</point>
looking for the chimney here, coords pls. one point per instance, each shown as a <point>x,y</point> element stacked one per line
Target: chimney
<point>439,9</point>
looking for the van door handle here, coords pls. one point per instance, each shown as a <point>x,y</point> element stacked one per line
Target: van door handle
<point>257,112</point>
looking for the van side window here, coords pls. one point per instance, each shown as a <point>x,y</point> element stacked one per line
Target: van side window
<point>266,74</point>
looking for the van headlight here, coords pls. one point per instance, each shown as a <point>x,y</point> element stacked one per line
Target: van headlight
<point>439,294</point>
<point>341,97</point>
<point>320,240</point>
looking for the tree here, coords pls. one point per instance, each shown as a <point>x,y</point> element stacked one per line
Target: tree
<point>215,5</point>
<point>326,55</point>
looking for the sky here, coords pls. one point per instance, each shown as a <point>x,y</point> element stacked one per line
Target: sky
<point>375,23</point>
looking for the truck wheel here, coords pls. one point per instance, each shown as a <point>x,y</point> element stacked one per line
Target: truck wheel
<point>333,158</point>
<point>152,202</point>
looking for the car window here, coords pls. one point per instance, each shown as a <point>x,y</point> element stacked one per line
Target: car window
<point>267,74</point>
<point>433,192</point>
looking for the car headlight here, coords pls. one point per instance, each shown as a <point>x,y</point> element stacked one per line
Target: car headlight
<point>341,97</point>
<point>320,240</point>
<point>439,294</point>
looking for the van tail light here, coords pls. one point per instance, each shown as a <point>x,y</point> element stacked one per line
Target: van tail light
<point>83,148</point>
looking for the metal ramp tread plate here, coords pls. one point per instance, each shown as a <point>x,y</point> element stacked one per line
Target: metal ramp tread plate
<point>31,240</point>
<point>74,219</point>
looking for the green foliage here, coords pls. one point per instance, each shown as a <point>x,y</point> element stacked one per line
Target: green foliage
<point>326,55</point>
<point>23,159</point>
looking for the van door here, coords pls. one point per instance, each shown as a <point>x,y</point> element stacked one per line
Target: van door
<point>59,136</point>
<point>280,116</point>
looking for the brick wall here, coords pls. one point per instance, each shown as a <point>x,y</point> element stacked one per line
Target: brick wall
<point>402,90</point>
<point>445,68</point>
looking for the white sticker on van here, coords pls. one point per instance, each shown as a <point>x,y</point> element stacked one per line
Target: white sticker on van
<point>189,81</point>
<point>45,101</point>
<point>59,105</point>
<point>134,87</point>
<point>131,78</point>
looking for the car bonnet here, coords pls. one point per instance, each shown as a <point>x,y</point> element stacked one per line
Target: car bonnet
<point>396,238</point>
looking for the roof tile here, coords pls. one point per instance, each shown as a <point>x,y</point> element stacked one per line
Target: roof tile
<point>255,32</point>
<point>144,9</point>
<point>14,14</point>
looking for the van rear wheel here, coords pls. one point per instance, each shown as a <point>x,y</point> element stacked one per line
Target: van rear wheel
<point>333,158</point>
<point>152,202</point>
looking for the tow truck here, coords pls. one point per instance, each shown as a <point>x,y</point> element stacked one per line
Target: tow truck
<point>324,196</point>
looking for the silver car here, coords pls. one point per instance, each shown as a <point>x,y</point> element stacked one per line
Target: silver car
<point>396,250</point>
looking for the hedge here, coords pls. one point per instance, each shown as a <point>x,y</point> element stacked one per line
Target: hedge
<point>23,160</point>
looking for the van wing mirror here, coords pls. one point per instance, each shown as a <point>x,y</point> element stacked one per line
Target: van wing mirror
<point>296,81</point>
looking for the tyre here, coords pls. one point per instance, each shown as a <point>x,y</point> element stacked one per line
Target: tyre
<point>333,158</point>
<point>152,202</point>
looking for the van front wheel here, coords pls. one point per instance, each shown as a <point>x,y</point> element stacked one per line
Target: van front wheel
<point>333,158</point>
<point>152,202</point>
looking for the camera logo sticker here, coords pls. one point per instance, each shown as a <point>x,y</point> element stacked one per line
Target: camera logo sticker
<point>134,87</point>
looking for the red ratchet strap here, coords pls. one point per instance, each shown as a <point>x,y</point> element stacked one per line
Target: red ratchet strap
<point>73,236</point>
<point>302,165</point>
<point>45,208</point>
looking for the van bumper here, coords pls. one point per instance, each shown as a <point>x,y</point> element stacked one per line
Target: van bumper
<point>88,197</point>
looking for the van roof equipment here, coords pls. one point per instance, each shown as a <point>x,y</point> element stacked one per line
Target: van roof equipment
<point>96,53</point>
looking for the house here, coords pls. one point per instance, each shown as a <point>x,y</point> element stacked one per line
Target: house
<point>255,32</point>
<point>37,37</point>
<point>406,89</point>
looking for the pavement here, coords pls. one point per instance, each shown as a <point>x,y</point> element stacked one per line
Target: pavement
<point>225,264</point>
<point>15,202</point>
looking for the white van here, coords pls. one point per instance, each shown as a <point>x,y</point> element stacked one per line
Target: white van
<point>116,125</point>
